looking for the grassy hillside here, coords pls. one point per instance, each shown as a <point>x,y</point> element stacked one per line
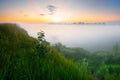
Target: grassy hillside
<point>25,58</point>
<point>102,65</point>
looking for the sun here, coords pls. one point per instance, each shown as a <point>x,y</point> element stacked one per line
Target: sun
<point>57,19</point>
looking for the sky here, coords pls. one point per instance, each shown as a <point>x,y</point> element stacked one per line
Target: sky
<point>45,11</point>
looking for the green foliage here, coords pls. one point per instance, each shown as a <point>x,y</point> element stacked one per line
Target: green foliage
<point>41,36</point>
<point>21,59</point>
<point>43,47</point>
<point>92,62</point>
<point>112,77</point>
<point>109,72</point>
<point>76,54</point>
<point>115,49</point>
<point>84,65</point>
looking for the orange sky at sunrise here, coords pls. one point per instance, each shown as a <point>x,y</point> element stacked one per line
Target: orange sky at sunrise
<point>46,11</point>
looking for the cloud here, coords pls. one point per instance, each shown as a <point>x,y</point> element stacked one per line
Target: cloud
<point>42,14</point>
<point>52,10</point>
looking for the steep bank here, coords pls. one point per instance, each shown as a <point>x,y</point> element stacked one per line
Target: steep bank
<point>20,59</point>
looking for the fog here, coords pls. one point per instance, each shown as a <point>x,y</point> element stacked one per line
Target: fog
<point>90,37</point>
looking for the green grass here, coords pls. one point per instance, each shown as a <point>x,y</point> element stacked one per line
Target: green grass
<point>21,59</point>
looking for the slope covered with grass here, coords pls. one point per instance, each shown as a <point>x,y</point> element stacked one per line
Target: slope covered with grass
<point>24,58</point>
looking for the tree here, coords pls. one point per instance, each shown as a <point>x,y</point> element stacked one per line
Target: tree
<point>41,36</point>
<point>115,49</point>
<point>43,46</point>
